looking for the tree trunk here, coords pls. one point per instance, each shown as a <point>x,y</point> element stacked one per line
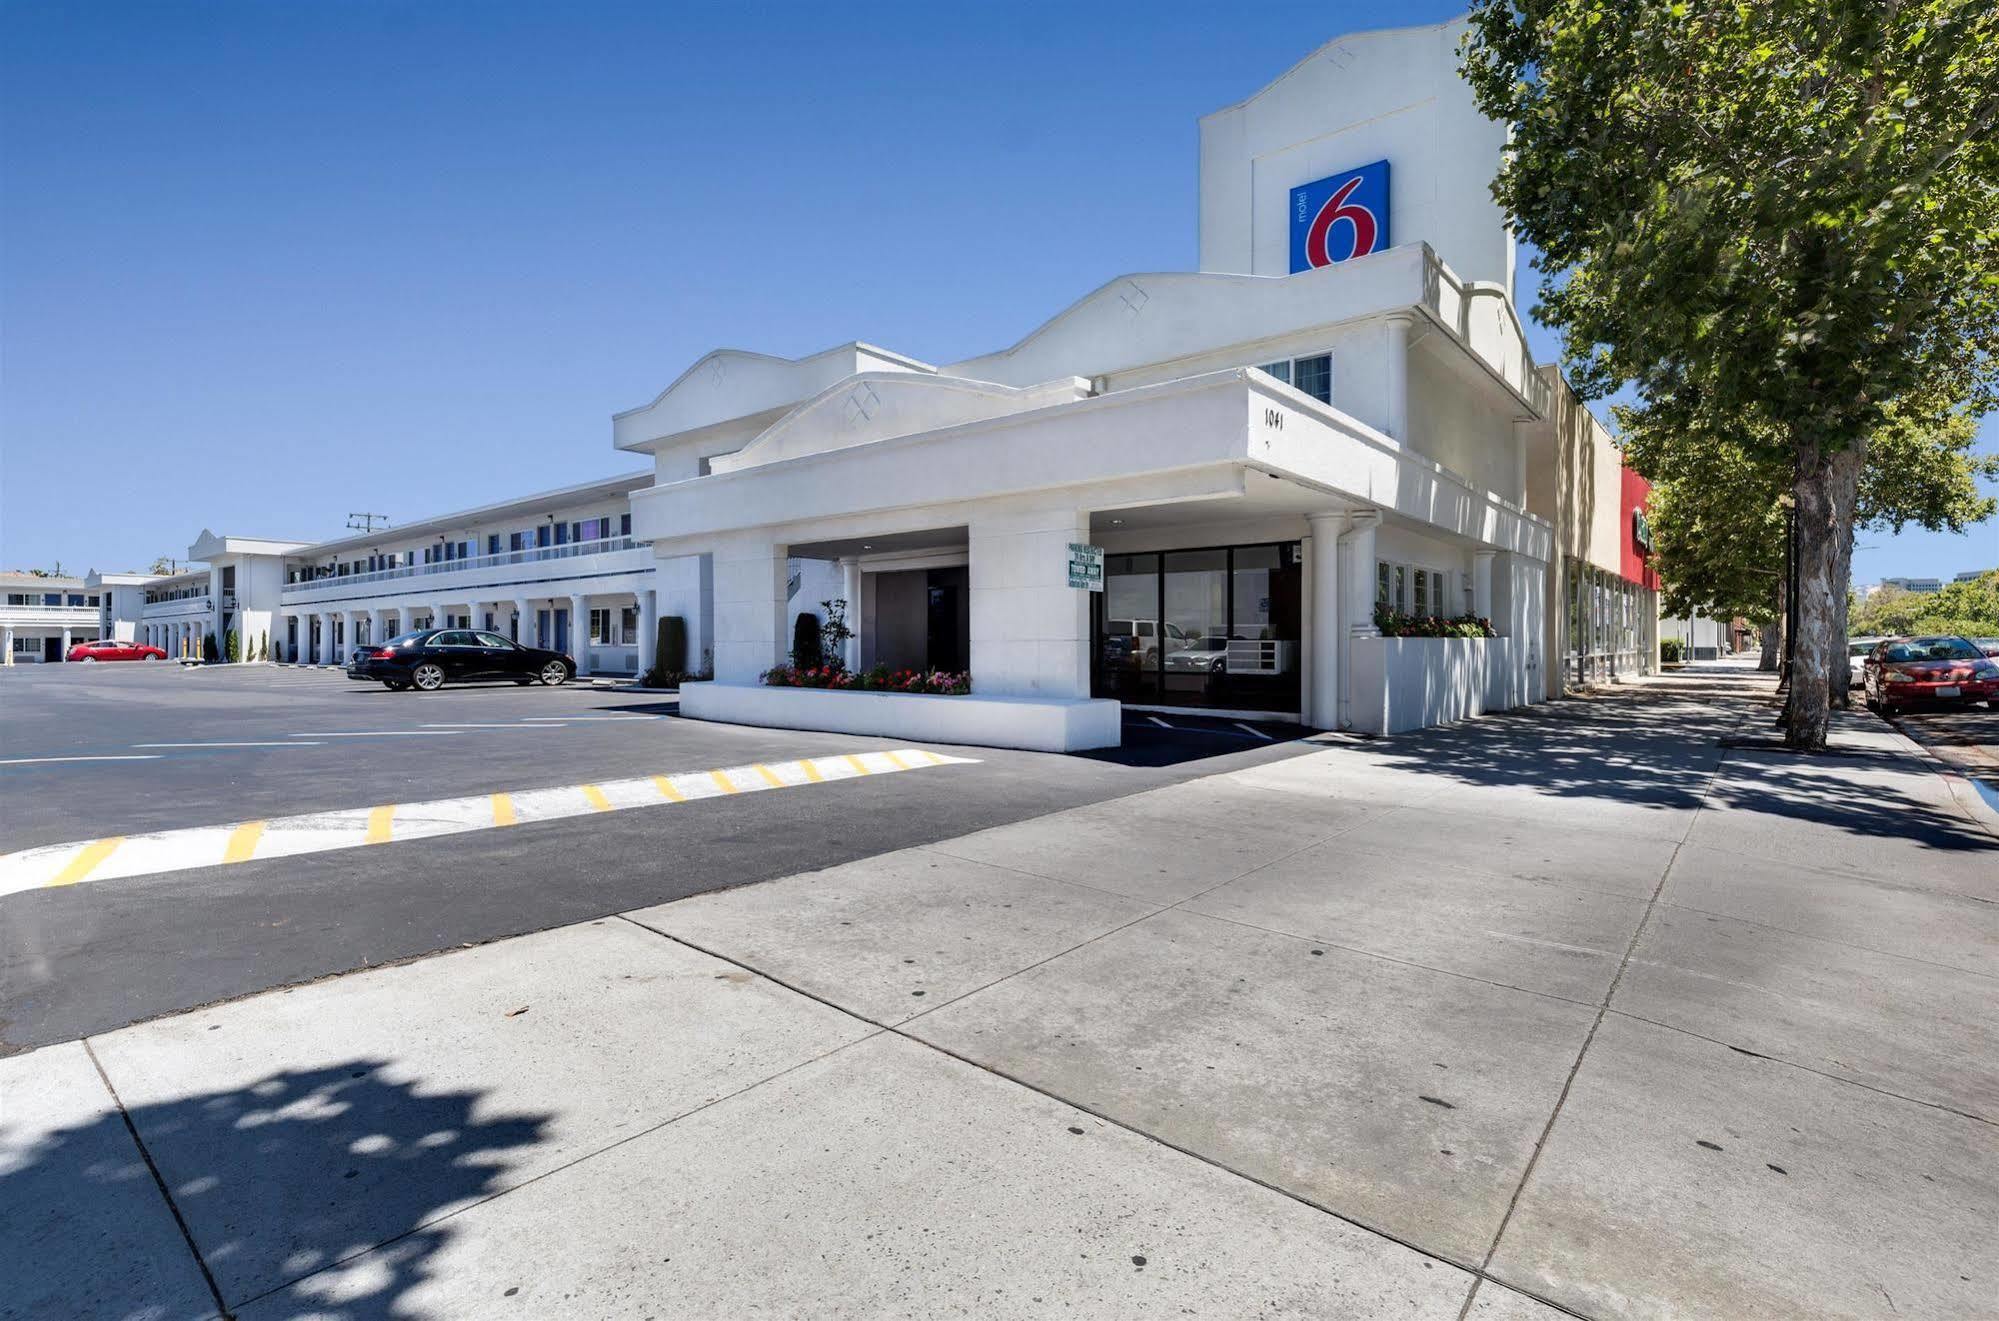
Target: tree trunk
<point>1839,683</point>
<point>1826,486</point>
<point>1773,634</point>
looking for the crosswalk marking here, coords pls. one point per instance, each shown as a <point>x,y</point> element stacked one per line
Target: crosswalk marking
<point>317,832</point>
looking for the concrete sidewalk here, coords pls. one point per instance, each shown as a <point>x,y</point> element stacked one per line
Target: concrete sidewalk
<point>1574,1009</point>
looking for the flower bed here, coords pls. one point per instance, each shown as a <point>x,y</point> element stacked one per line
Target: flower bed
<point>1394,624</point>
<point>879,679</point>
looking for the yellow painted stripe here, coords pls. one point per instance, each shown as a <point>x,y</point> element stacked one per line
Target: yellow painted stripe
<point>243,841</point>
<point>811,772</point>
<point>86,862</point>
<point>723,782</point>
<point>855,762</point>
<point>380,822</point>
<point>770,776</point>
<point>900,764</point>
<point>503,809</point>
<point>595,797</point>
<point>667,790</point>
<point>929,758</point>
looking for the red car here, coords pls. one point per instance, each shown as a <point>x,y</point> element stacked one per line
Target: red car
<point>1903,671</point>
<point>110,649</point>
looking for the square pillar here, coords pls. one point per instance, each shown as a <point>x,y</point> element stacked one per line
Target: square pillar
<point>579,632</point>
<point>1030,629</point>
<point>850,593</point>
<point>749,584</point>
<point>686,588</point>
<point>1322,697</point>
<point>648,630</point>
<point>1481,583</point>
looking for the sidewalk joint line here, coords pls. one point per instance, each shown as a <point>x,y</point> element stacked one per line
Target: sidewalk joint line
<point>896,1030</point>
<point>159,1182</point>
<point>1484,1270</point>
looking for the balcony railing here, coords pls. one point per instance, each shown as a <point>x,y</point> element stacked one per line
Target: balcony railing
<point>533,555</point>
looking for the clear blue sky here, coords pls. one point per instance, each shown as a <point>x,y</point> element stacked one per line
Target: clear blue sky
<point>265,264</point>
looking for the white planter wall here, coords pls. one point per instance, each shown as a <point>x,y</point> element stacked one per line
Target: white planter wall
<point>994,722</point>
<point>1400,684</point>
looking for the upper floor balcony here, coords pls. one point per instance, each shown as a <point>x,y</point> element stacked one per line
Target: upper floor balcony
<point>32,609</point>
<point>532,564</point>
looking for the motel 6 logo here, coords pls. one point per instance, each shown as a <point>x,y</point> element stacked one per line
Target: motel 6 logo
<point>1339,217</point>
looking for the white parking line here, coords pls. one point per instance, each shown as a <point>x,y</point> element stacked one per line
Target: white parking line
<point>124,756</point>
<point>373,733</point>
<point>1252,729</point>
<point>1157,721</point>
<point>279,743</point>
<point>472,724</point>
<point>319,832</point>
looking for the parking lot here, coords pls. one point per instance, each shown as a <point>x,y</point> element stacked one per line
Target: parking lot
<point>100,761</point>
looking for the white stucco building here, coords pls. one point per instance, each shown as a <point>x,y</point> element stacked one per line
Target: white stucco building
<point>1263,457</point>
<point>43,615</point>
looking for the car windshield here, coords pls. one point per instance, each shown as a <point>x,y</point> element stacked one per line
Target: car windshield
<point>1933,649</point>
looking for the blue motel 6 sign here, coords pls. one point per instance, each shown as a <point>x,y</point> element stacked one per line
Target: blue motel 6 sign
<point>1339,217</point>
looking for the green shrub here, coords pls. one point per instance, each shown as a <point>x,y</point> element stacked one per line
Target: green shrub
<point>670,651</point>
<point>1671,651</point>
<point>806,652</point>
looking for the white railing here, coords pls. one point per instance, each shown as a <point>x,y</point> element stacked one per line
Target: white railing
<point>535,555</point>
<point>61,612</point>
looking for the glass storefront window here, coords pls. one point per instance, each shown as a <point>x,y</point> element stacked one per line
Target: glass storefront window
<point>1214,627</point>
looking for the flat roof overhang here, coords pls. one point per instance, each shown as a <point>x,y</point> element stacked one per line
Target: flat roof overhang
<point>1199,438</point>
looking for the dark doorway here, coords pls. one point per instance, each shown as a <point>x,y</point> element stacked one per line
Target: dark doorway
<point>949,634</point>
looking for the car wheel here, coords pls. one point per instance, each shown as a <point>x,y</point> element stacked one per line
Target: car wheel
<point>555,674</point>
<point>152,656</point>
<point>428,677</point>
<point>88,660</point>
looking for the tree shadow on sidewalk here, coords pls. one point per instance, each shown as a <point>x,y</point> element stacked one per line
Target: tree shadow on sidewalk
<point>1658,748</point>
<point>277,1181</point>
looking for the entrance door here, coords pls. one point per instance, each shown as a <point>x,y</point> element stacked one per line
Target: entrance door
<point>52,649</point>
<point>562,631</point>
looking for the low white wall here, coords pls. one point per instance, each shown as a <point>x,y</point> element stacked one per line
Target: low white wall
<point>1037,724</point>
<point>1399,684</point>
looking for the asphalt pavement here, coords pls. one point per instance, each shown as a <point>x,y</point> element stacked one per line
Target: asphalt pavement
<point>112,752</point>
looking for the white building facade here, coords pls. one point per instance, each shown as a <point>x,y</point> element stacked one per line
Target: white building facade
<point>1328,421</point>
<point>43,616</point>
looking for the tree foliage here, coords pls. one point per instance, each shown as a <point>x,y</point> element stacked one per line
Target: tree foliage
<point>1778,220</point>
<point>1968,609</point>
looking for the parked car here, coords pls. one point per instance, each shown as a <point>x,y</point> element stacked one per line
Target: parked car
<point>111,649</point>
<point>1902,671</point>
<point>430,658</point>
<point>1856,660</point>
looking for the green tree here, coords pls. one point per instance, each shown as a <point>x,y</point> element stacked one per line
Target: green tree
<point>1718,505</point>
<point>1968,609</point>
<point>1783,213</point>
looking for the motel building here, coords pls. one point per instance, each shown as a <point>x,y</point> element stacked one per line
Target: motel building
<point>42,617</point>
<point>1337,411</point>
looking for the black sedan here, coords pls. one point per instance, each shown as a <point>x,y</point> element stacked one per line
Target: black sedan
<point>430,658</point>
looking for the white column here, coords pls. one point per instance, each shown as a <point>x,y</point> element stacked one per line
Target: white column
<point>322,651</point>
<point>524,621</point>
<point>1481,583</point>
<point>1030,629</point>
<point>66,644</point>
<point>472,613</point>
<point>1398,374</point>
<point>1323,699</point>
<point>749,583</point>
<point>686,586</point>
<point>7,637</point>
<point>648,630</point>
<point>850,588</point>
<point>1360,574</point>
<point>579,632</point>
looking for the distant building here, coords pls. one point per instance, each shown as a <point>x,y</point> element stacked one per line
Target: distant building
<point>1916,584</point>
<point>1971,575</point>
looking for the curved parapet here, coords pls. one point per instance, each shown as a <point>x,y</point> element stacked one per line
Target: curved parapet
<point>731,384</point>
<point>879,405</point>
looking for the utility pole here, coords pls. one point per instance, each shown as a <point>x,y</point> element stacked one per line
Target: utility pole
<point>366,522</point>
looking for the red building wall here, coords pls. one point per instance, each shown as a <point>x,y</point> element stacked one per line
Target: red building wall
<point>1634,564</point>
